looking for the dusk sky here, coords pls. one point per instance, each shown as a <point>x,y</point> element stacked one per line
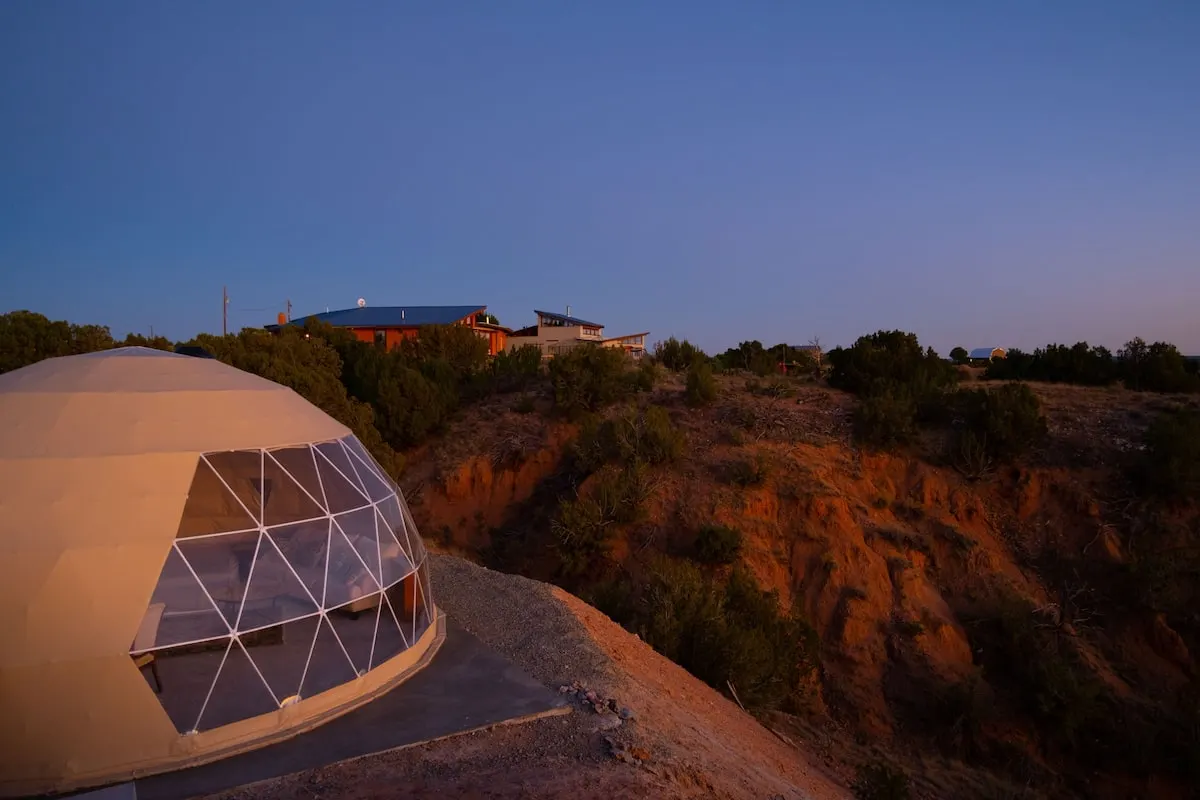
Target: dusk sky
<point>1005,173</point>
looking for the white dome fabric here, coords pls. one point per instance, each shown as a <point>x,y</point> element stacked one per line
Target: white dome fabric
<point>195,561</point>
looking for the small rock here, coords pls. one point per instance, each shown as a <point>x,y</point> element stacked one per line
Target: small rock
<point>627,713</point>
<point>612,705</point>
<point>640,753</point>
<point>564,689</point>
<point>591,697</point>
<point>608,723</point>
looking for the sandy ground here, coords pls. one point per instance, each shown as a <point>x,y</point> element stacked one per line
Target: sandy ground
<point>684,741</point>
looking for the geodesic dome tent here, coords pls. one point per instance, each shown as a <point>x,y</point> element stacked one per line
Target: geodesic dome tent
<point>194,561</point>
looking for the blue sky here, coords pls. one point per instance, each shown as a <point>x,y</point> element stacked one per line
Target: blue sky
<point>1004,173</point>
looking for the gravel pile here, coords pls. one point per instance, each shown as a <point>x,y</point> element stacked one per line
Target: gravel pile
<point>520,619</point>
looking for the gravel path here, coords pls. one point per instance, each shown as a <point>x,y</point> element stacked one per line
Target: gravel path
<point>520,619</point>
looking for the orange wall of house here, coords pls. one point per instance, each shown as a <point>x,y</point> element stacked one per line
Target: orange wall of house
<point>496,339</point>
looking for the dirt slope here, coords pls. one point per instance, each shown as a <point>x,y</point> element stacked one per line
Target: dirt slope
<point>685,740</point>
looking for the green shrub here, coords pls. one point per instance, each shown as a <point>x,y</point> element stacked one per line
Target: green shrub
<point>1052,683</point>
<point>458,346</point>
<point>1007,422</point>
<point>588,377</point>
<point>645,376</point>
<point>718,544</point>
<point>701,385</point>
<point>1057,363</point>
<point>636,435</point>
<point>721,630</point>
<point>676,355</point>
<point>886,419</point>
<point>887,359</point>
<point>777,388</point>
<point>880,781</point>
<point>1158,367</point>
<point>1170,464</point>
<point>516,369</point>
<point>583,531</point>
<point>969,454</point>
<point>753,357</point>
<point>749,472</point>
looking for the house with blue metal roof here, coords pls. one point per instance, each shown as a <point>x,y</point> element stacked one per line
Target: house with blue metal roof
<point>388,326</point>
<point>987,353</point>
<point>555,334</point>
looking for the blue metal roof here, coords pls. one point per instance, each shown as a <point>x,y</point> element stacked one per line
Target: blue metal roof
<point>391,316</point>
<point>983,352</point>
<point>568,320</point>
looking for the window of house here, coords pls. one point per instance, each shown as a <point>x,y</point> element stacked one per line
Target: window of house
<point>381,337</point>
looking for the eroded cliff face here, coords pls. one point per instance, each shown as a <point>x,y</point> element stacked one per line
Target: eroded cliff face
<point>894,562</point>
<point>459,505</point>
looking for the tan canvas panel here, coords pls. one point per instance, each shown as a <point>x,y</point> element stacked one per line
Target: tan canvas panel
<point>92,603</point>
<point>115,423</point>
<point>71,718</point>
<point>131,370</point>
<point>68,502</point>
<point>26,570</point>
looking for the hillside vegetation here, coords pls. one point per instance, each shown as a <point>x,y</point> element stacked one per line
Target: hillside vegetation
<point>964,587</point>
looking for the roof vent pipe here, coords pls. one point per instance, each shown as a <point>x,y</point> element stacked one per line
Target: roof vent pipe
<point>568,311</point>
<point>402,315</point>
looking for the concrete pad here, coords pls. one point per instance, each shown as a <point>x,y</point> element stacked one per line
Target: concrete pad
<point>467,686</point>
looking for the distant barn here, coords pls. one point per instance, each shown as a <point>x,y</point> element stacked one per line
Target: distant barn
<point>987,353</point>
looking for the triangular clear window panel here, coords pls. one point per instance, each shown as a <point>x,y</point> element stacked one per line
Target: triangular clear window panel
<point>356,629</point>
<point>348,577</point>
<point>285,500</point>
<point>389,640</point>
<point>393,520</point>
<point>241,470</point>
<point>211,507</point>
<point>377,488</point>
<point>222,563</point>
<point>414,535</point>
<point>424,600</point>
<point>239,693</point>
<point>305,545</point>
<point>180,612</point>
<point>282,657</point>
<point>359,528</point>
<point>341,493</point>
<point>199,669</point>
<point>338,456</point>
<point>328,665</point>
<point>394,562</point>
<point>275,594</point>
<point>359,449</point>
<point>301,466</point>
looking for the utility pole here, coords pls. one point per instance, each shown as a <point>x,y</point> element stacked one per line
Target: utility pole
<point>224,312</point>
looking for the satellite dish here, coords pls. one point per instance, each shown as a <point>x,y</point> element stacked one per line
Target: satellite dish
<point>361,302</point>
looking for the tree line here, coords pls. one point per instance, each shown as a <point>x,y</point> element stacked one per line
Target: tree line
<point>391,400</point>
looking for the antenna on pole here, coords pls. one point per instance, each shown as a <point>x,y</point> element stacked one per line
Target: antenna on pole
<point>289,310</point>
<point>224,312</point>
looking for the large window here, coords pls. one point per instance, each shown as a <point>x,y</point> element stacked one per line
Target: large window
<point>293,571</point>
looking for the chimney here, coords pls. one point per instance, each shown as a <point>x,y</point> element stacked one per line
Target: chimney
<point>402,315</point>
<point>568,311</point>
